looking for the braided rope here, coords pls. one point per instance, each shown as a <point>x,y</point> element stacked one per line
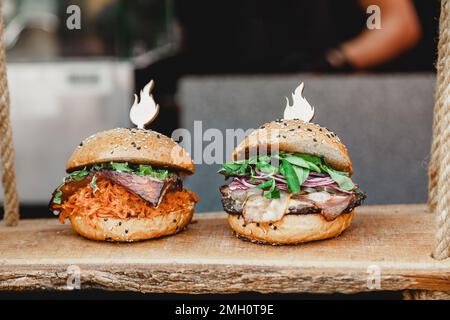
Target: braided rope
<point>433,172</point>
<point>439,173</point>
<point>11,201</point>
<point>425,295</point>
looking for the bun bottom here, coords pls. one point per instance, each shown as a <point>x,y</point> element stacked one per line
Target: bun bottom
<point>133,229</point>
<point>292,229</point>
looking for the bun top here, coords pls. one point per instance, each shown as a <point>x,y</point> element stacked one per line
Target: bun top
<point>137,146</point>
<point>297,136</point>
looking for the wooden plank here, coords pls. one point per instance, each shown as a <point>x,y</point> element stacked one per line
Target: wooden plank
<point>207,258</point>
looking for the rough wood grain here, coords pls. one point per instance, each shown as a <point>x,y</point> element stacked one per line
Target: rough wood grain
<point>207,258</point>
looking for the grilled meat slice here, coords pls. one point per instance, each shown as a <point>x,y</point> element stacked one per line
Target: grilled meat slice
<point>149,189</point>
<point>330,206</point>
<point>233,201</point>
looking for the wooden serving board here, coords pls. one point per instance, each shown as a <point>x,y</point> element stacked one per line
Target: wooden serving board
<point>208,258</point>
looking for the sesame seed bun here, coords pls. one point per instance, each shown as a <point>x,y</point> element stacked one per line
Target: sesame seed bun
<point>292,229</point>
<point>296,136</point>
<point>133,229</point>
<point>131,145</point>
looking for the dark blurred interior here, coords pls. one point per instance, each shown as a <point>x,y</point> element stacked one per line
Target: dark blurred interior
<point>169,39</point>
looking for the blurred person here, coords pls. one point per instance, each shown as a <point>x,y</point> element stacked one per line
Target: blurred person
<point>259,36</point>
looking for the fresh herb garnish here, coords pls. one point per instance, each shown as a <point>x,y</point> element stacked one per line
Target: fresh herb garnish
<point>294,167</point>
<point>94,184</point>
<point>290,175</point>
<point>79,175</point>
<point>57,197</point>
<point>121,167</point>
<point>272,193</point>
<point>141,169</point>
<point>341,178</point>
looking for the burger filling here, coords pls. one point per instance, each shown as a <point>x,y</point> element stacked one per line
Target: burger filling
<point>120,190</point>
<point>265,188</point>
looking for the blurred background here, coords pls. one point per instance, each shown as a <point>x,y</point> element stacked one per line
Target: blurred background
<point>230,64</point>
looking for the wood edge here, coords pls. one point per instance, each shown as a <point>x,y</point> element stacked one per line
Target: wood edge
<point>224,279</point>
<point>366,209</point>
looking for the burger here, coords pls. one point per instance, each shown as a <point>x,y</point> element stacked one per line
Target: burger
<point>299,189</point>
<point>126,185</point>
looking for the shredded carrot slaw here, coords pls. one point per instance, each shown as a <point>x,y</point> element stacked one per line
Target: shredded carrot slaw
<point>113,201</point>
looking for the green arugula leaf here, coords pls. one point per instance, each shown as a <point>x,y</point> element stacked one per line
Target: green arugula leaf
<point>266,167</point>
<point>341,178</point>
<point>266,184</point>
<point>243,168</point>
<point>302,174</point>
<point>99,167</point>
<point>121,167</point>
<point>231,166</point>
<point>291,176</point>
<point>145,170</point>
<point>272,193</point>
<point>294,167</point>
<point>79,175</point>
<point>310,158</point>
<point>57,197</point>
<point>301,162</point>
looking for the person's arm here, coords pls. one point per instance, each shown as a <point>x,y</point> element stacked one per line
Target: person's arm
<point>400,31</point>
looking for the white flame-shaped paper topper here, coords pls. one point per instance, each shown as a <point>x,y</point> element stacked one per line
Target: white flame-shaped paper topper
<point>300,109</point>
<point>146,110</point>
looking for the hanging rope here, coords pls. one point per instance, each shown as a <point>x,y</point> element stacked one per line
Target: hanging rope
<point>439,171</point>
<point>11,201</point>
